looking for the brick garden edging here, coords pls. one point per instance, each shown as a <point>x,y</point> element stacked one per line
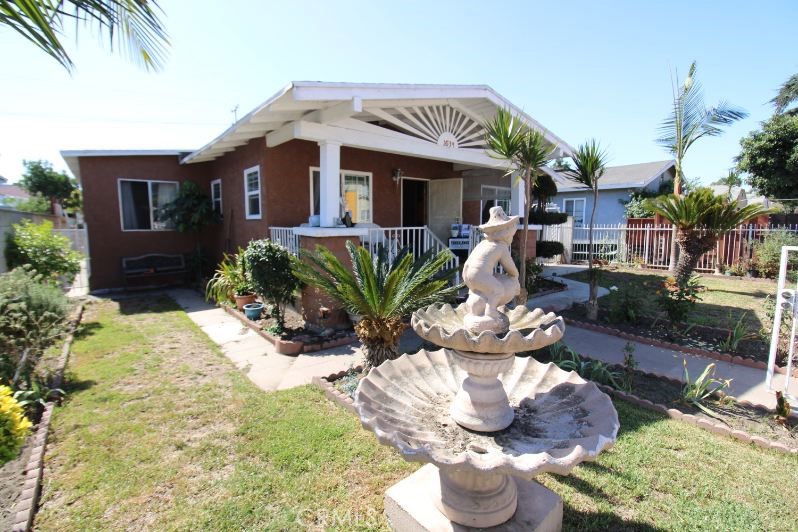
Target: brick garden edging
<point>723,357</point>
<point>26,506</point>
<point>342,399</point>
<point>333,394</point>
<point>290,347</point>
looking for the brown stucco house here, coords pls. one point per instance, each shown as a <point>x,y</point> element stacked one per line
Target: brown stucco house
<point>406,161</point>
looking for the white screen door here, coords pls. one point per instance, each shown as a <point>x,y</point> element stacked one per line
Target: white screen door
<point>445,206</point>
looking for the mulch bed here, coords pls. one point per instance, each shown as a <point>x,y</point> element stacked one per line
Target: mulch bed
<point>543,286</point>
<point>700,337</point>
<point>737,419</point>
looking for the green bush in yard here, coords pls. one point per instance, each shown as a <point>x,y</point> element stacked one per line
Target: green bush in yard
<point>767,253</point>
<point>37,245</point>
<point>271,270</point>
<point>32,316</point>
<point>549,248</point>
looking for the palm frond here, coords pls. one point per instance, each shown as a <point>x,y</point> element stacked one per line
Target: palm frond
<point>702,209</point>
<point>788,94</point>
<point>132,26</point>
<point>590,161</point>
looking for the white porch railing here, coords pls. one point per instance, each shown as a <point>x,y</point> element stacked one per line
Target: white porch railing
<point>417,239</point>
<point>285,237</point>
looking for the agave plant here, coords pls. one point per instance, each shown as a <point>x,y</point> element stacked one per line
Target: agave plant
<point>381,290</point>
<point>699,218</point>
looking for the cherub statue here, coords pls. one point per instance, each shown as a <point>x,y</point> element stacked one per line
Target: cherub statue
<point>487,292</point>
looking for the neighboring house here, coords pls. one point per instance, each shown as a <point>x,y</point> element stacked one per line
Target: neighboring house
<point>394,156</point>
<point>10,194</point>
<point>615,188</point>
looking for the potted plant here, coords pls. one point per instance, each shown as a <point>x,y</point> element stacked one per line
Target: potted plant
<point>231,282</point>
<point>253,311</point>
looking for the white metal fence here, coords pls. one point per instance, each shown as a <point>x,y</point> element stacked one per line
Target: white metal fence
<point>650,245</point>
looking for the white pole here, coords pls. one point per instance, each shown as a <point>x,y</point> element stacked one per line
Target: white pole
<point>330,182</point>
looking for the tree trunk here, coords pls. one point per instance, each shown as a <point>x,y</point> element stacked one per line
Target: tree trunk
<point>522,296</point>
<point>692,245</point>
<point>592,300</point>
<point>677,189</point>
<point>375,353</point>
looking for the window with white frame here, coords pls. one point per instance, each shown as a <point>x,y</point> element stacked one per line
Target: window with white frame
<point>355,193</point>
<point>493,196</point>
<point>576,208</point>
<point>140,203</point>
<point>216,195</point>
<point>252,193</point>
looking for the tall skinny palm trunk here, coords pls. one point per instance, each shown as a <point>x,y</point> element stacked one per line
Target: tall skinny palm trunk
<point>522,296</point>
<point>592,301</point>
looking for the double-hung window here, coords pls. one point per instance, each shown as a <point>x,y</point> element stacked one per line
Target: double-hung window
<point>493,196</point>
<point>216,195</point>
<point>576,208</point>
<point>140,203</point>
<point>252,190</point>
<point>355,194</point>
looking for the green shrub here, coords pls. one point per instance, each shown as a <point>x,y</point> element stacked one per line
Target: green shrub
<point>767,253</point>
<point>547,218</point>
<point>14,426</point>
<point>678,299</point>
<point>626,304</point>
<point>48,253</point>
<point>230,279</point>
<point>32,316</point>
<point>549,248</point>
<point>271,270</point>
<point>533,271</point>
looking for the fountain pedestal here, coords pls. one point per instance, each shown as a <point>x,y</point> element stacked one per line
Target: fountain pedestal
<point>410,506</point>
<point>481,403</point>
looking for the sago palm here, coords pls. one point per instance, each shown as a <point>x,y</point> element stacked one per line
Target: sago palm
<point>590,161</point>
<point>526,152</point>
<point>380,290</point>
<point>699,218</point>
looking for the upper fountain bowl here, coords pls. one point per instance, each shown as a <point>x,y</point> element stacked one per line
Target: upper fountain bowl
<point>529,330</point>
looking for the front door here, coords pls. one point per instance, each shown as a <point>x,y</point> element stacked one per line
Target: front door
<point>414,202</point>
<point>445,206</point>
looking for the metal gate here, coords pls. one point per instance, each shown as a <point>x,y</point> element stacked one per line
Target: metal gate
<point>784,322</point>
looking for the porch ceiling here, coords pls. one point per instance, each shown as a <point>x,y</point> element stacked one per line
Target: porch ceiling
<point>441,122</point>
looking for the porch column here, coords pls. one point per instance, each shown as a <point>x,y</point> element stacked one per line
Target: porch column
<point>329,182</point>
<point>517,195</point>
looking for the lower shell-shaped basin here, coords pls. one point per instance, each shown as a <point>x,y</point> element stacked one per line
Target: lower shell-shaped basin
<point>529,330</point>
<point>560,419</point>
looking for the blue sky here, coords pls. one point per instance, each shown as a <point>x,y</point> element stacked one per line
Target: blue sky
<point>583,69</point>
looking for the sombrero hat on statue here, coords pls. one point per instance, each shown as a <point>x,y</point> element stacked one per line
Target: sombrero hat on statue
<point>498,221</point>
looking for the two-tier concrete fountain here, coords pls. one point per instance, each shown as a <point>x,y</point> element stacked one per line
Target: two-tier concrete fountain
<point>486,421</point>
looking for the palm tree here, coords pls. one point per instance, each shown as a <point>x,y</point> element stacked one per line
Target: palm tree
<point>788,94</point>
<point>590,162</point>
<point>699,218</point>
<point>526,152</point>
<point>380,290</point>
<point>132,25</point>
<point>690,120</point>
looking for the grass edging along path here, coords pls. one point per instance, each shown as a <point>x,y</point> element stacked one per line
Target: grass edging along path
<point>162,432</point>
<point>25,507</point>
<point>715,355</point>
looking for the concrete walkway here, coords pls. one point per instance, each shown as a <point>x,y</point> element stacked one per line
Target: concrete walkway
<point>577,291</point>
<point>254,355</point>
<point>747,383</point>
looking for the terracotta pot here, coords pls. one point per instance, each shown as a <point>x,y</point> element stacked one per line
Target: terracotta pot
<point>244,300</point>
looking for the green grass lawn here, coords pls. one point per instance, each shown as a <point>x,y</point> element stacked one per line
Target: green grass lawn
<point>161,432</point>
<point>722,304</point>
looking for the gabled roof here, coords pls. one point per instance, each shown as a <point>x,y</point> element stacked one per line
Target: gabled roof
<point>13,191</point>
<point>620,177</point>
<point>388,113</point>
